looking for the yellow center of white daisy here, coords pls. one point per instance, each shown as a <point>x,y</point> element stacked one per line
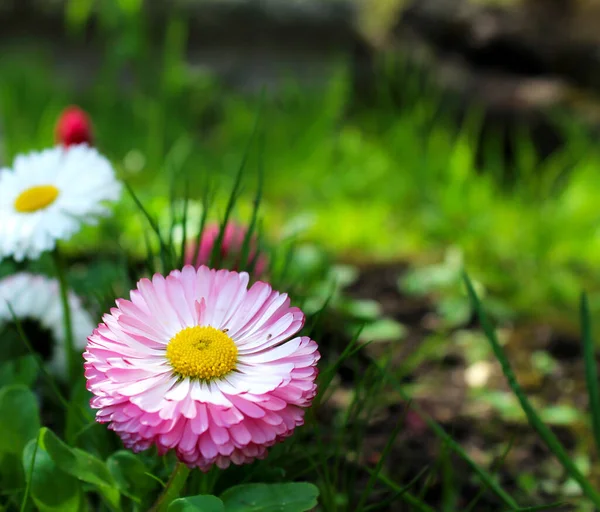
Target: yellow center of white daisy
<point>202,352</point>
<point>36,198</point>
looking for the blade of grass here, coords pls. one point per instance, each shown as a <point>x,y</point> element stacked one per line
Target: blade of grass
<point>398,491</point>
<point>546,435</point>
<point>591,371</point>
<point>203,218</point>
<point>405,495</point>
<point>174,163</point>
<point>542,508</point>
<point>327,375</point>
<point>287,262</point>
<point>63,401</point>
<point>170,168</point>
<point>367,388</point>
<point>30,474</point>
<point>245,251</point>
<point>184,220</point>
<point>69,344</point>
<point>85,416</point>
<point>386,450</point>
<point>150,261</point>
<point>216,250</point>
<point>495,466</point>
<point>163,247</point>
<point>439,431</point>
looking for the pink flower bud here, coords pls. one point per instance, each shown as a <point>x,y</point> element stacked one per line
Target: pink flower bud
<point>73,127</point>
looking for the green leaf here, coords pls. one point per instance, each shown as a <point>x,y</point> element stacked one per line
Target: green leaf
<point>21,370</point>
<point>130,6</point>
<point>77,13</point>
<point>19,418</point>
<point>11,472</point>
<point>197,504</point>
<point>385,329</point>
<point>455,310</point>
<point>131,474</point>
<point>344,275</point>
<point>81,465</point>
<point>364,308</point>
<point>52,490</point>
<point>288,497</point>
<point>561,414</point>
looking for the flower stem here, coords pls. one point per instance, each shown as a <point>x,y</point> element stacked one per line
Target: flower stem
<point>173,488</point>
<point>68,326</point>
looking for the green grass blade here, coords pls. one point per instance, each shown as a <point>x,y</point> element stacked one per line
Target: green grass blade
<point>398,491</point>
<point>591,371</point>
<point>404,494</point>
<point>51,382</point>
<point>550,440</point>
<point>374,474</point>
<point>495,466</point>
<point>150,261</point>
<point>184,221</point>
<point>30,475</point>
<point>486,478</point>
<point>164,250</point>
<point>245,251</point>
<point>206,196</point>
<point>283,269</point>
<point>85,416</point>
<point>543,508</point>
<point>215,257</point>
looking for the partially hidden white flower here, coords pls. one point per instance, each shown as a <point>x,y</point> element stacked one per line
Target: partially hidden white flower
<point>37,298</point>
<point>48,195</point>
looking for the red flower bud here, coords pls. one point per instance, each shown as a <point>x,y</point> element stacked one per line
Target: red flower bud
<point>73,127</point>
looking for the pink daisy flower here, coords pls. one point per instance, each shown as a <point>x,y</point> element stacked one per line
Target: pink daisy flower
<point>198,363</point>
<point>231,247</point>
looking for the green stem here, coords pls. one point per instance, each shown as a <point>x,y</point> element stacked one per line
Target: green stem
<point>173,488</point>
<point>68,326</point>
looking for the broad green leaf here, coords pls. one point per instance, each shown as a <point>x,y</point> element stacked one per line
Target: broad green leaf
<point>11,471</point>
<point>131,474</point>
<point>455,310</point>
<point>77,12</point>
<point>197,504</point>
<point>130,6</point>
<point>288,497</point>
<point>363,309</point>
<point>52,490</point>
<point>81,465</point>
<point>385,329</point>
<point>21,370</point>
<point>561,414</point>
<point>19,418</point>
<point>344,275</point>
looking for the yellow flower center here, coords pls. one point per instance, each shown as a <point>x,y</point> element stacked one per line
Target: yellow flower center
<point>36,198</point>
<point>203,353</point>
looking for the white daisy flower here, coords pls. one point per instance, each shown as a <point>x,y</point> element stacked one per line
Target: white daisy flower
<point>36,302</point>
<point>49,194</point>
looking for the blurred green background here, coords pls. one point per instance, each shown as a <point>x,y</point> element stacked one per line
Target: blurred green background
<point>365,151</point>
